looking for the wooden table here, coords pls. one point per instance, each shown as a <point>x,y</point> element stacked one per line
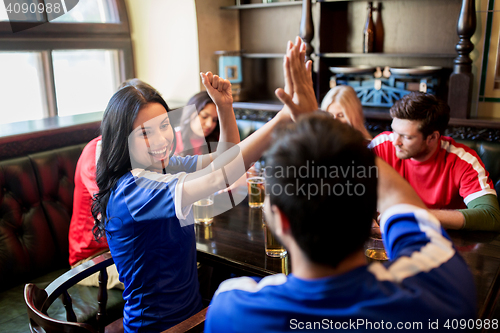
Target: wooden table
<point>235,240</point>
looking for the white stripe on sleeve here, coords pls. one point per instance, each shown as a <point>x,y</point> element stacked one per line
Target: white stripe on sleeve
<point>250,285</point>
<point>379,139</point>
<point>432,255</point>
<point>476,165</point>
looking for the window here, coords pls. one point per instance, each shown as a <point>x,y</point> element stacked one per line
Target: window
<point>67,66</point>
<point>22,88</point>
<point>91,11</point>
<point>91,72</point>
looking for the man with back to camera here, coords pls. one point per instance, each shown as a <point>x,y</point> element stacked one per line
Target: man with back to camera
<point>324,235</point>
<point>324,229</point>
<point>448,176</point>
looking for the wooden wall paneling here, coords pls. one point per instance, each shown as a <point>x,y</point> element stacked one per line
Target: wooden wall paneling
<point>218,30</point>
<point>267,30</point>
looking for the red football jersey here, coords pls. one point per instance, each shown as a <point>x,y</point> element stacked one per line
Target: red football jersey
<point>196,145</point>
<point>81,240</point>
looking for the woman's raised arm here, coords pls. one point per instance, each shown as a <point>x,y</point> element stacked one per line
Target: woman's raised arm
<point>220,92</point>
<point>230,165</point>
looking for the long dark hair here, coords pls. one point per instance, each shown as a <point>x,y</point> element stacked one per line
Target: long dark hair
<point>116,126</point>
<point>200,100</point>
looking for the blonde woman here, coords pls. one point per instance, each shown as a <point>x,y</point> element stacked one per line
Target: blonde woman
<point>343,103</point>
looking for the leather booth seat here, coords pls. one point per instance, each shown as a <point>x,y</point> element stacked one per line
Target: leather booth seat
<point>36,201</point>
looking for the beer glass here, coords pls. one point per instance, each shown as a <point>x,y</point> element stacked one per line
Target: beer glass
<point>256,189</point>
<point>204,210</point>
<point>375,250</point>
<point>255,223</point>
<point>273,246</point>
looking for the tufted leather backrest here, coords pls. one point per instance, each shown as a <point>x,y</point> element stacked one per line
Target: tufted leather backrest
<point>36,195</point>
<point>26,244</point>
<point>55,174</point>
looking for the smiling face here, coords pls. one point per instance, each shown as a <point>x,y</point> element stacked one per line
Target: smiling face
<point>151,139</point>
<point>206,121</point>
<point>409,141</point>
<point>338,112</point>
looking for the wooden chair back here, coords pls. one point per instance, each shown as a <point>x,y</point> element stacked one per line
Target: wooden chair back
<point>41,322</point>
<point>194,324</point>
<point>38,300</point>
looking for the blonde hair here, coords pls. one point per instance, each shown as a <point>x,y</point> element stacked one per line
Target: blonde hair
<point>347,98</point>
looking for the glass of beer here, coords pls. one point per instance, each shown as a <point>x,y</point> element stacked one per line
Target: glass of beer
<point>256,189</point>
<point>204,210</point>
<point>375,250</point>
<point>273,246</point>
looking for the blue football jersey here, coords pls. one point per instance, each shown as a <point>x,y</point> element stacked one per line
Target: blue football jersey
<point>426,282</point>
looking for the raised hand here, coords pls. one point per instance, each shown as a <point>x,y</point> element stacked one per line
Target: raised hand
<point>219,89</point>
<point>298,95</point>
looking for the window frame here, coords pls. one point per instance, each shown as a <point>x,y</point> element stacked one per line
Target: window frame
<point>51,36</point>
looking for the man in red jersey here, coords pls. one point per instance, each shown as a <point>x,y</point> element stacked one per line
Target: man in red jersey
<point>448,176</point>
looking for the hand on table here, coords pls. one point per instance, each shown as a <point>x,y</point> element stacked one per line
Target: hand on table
<point>298,95</point>
<point>219,90</point>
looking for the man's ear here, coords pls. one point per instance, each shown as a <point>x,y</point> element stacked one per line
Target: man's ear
<point>433,138</point>
<point>282,222</point>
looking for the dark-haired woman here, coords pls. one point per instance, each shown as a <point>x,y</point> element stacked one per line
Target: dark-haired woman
<point>145,195</point>
<point>199,126</point>
<point>142,208</point>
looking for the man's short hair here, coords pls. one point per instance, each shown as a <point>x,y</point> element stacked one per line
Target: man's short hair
<point>321,175</point>
<point>433,113</point>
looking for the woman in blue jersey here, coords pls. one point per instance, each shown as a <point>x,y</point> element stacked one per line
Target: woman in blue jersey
<point>145,194</point>
<point>140,206</point>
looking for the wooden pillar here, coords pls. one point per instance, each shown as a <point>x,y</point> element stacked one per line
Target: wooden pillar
<point>461,80</point>
<point>307,27</point>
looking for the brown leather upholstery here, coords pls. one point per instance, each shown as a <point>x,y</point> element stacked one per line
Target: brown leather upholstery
<point>27,247</point>
<point>55,174</point>
<point>36,194</point>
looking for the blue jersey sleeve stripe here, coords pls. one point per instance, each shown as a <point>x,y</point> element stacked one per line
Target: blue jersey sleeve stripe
<point>419,234</point>
<point>250,285</point>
